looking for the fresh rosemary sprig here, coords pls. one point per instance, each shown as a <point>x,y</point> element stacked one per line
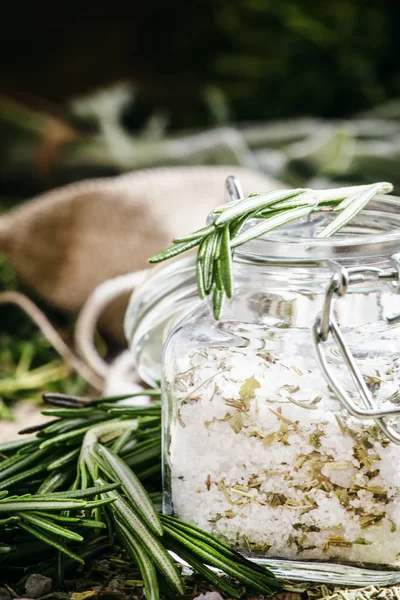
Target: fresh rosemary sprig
<point>72,483</point>
<point>263,212</point>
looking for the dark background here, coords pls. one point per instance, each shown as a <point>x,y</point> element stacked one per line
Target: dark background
<point>270,58</point>
<point>193,65</point>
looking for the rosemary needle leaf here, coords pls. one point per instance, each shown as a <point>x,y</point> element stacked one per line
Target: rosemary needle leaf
<point>306,199</point>
<point>201,568</point>
<point>17,463</point>
<point>63,460</point>
<point>52,542</point>
<point>208,261</point>
<point>63,437</point>
<point>351,206</point>
<point>254,580</point>
<point>18,477</point>
<point>16,445</point>
<point>54,481</point>
<point>218,301</point>
<point>85,493</point>
<point>174,250</point>
<point>22,506</point>
<point>271,223</point>
<point>255,203</point>
<point>225,257</point>
<point>78,520</point>
<point>200,279</point>
<point>70,412</point>
<point>143,561</point>
<point>132,487</point>
<point>197,533</point>
<point>149,542</point>
<point>204,232</point>
<point>52,527</point>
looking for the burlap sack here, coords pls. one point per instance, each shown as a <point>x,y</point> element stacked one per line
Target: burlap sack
<point>66,242</point>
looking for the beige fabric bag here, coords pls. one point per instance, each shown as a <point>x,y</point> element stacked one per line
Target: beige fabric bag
<point>67,242</point>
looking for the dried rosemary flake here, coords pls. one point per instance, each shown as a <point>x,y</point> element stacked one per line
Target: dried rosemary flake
<point>315,439</point>
<point>296,370</point>
<point>278,414</point>
<point>235,421</point>
<point>273,499</point>
<point>243,492</point>
<point>292,389</point>
<point>222,488</point>
<point>338,540</point>
<point>238,404</point>
<point>369,520</point>
<point>247,392</point>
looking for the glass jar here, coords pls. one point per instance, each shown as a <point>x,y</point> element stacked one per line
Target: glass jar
<point>280,418</point>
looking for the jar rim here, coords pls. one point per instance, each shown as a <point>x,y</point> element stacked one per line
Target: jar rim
<point>278,248</point>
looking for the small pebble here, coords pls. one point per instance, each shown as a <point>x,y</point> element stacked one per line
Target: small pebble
<point>38,585</point>
<point>4,594</point>
<point>209,596</point>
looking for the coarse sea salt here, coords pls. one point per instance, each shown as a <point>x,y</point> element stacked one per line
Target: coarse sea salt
<point>263,455</point>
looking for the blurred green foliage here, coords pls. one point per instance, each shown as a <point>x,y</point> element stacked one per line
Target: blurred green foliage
<point>284,58</point>
<point>28,364</point>
<point>270,58</point>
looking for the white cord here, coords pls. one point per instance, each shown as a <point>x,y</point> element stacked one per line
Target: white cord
<point>88,317</point>
<point>52,336</point>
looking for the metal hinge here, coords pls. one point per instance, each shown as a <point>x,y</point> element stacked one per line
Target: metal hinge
<point>326,325</point>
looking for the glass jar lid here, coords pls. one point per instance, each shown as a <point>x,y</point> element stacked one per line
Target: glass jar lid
<point>171,292</point>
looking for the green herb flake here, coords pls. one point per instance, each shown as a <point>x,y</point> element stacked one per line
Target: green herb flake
<point>247,392</point>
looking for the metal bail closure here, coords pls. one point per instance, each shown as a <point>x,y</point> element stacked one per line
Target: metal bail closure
<point>325,325</point>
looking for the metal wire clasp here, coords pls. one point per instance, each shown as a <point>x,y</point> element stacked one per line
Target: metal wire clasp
<point>325,324</point>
